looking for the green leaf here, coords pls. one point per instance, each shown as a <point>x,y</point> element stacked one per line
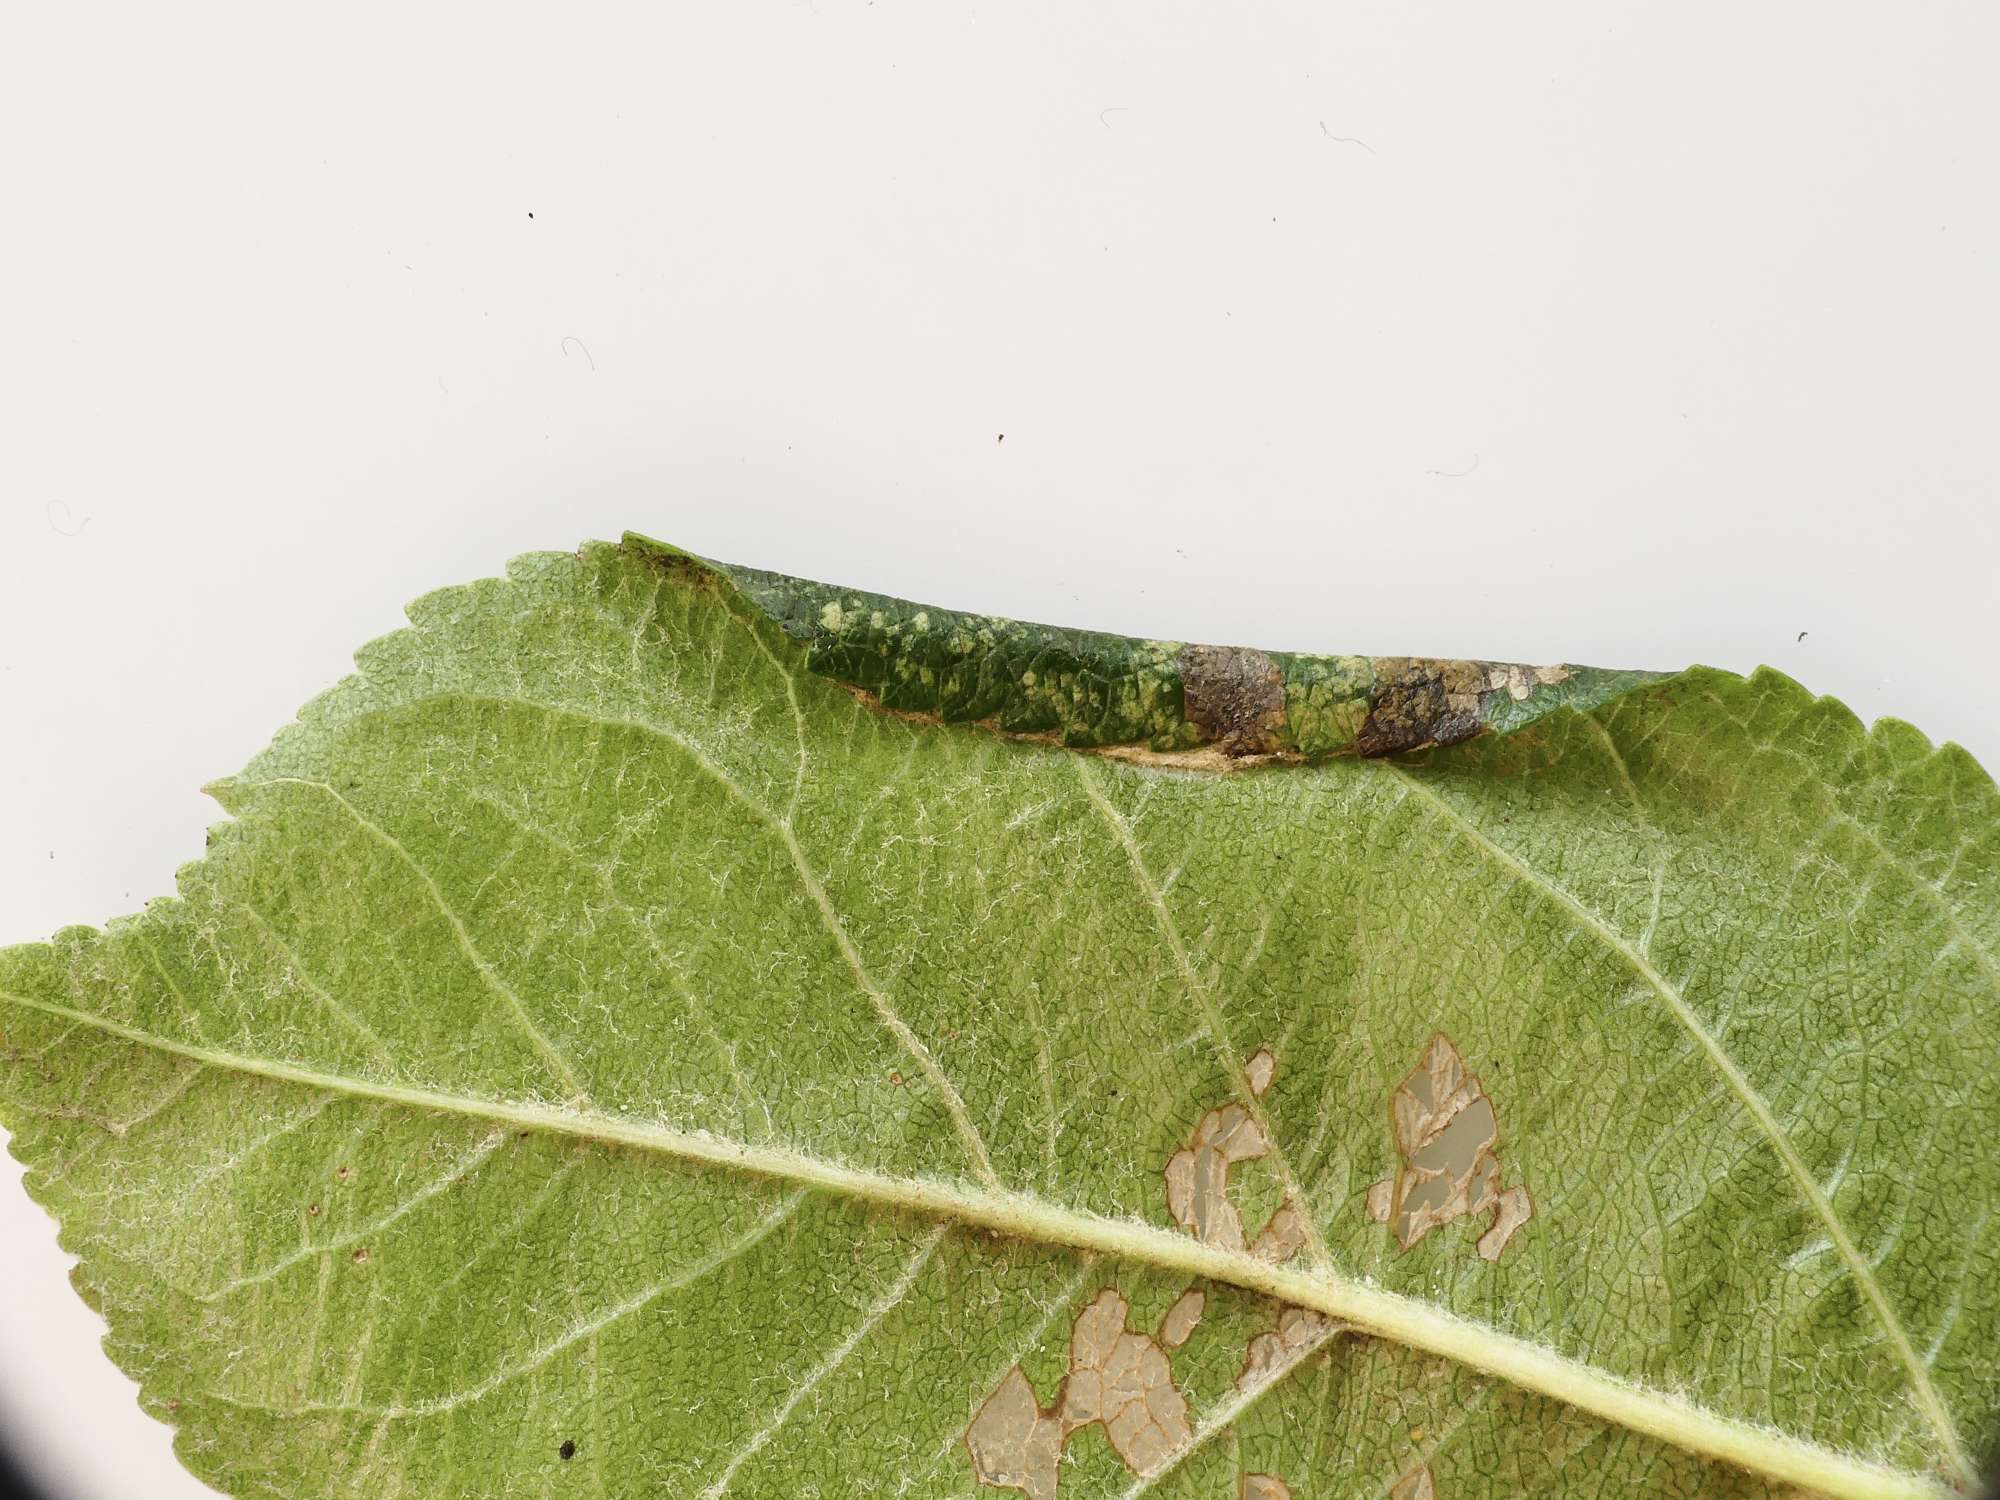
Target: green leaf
<point>666,1029</point>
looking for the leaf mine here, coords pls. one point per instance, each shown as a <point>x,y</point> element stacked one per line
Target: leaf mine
<point>1124,1380</point>
<point>1415,1485</point>
<point>1280,1239</point>
<point>1260,1070</point>
<point>1234,697</point>
<point>1197,1177</point>
<point>1270,1353</point>
<point>1014,1444</point>
<point>1265,1487</point>
<point>1119,1378</point>
<point>1179,1323</point>
<point>1446,1131</point>
<point>1421,701</point>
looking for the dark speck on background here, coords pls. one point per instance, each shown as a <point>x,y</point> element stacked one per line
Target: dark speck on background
<point>567,1451</point>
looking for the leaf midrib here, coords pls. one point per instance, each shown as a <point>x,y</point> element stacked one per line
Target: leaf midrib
<point>1366,1308</point>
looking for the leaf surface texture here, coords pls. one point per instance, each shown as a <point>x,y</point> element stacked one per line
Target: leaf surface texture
<point>632,1039</point>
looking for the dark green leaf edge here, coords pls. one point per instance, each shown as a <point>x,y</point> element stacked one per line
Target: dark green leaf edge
<point>1088,689</point>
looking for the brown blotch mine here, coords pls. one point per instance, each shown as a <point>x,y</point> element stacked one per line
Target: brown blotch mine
<point>1125,1381</point>
<point>1260,1070</point>
<point>1117,1377</point>
<point>1420,701</point>
<point>1235,697</point>
<point>1269,1354</point>
<point>1014,1444</point>
<point>1179,1323</point>
<point>1280,1239</point>
<point>1446,1132</point>
<point>1265,1487</point>
<point>1198,1175</point>
<point>1415,1485</point>
<point>1198,1184</point>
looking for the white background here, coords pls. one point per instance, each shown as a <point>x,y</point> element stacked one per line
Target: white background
<point>1545,333</point>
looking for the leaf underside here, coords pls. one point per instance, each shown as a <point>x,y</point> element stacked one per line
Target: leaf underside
<point>667,1029</point>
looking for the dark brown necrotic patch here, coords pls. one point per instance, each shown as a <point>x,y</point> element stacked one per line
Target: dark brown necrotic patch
<point>1234,696</point>
<point>1421,701</point>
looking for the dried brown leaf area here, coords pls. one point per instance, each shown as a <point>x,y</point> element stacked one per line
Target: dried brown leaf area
<point>1270,1354</point>
<point>1260,1070</point>
<point>1415,1485</point>
<point>1014,1444</point>
<point>1179,1323</point>
<point>1124,1379</point>
<point>1116,1376</point>
<point>1446,1132</point>
<point>1419,701</point>
<point>1198,1176</point>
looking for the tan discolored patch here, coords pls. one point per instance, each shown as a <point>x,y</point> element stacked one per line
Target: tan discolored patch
<point>1513,1208</point>
<point>1179,1323</point>
<point>1124,1380</point>
<point>1415,1485</point>
<point>1119,1378</point>
<point>1205,758</point>
<point>1446,1132</point>
<point>1520,681</point>
<point>1265,1487</point>
<point>1014,1444</point>
<point>1260,1070</point>
<point>1280,1239</point>
<point>1269,1353</point>
<point>1198,1175</point>
<point>1198,1179</point>
<point>1234,697</point>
